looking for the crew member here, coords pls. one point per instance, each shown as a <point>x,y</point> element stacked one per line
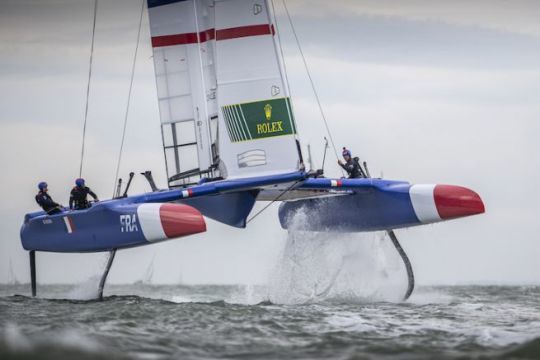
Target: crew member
<point>78,200</point>
<point>46,202</point>
<point>351,166</point>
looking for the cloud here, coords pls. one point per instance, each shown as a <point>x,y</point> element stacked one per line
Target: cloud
<point>384,41</point>
<point>54,38</point>
<point>365,83</point>
<point>519,17</point>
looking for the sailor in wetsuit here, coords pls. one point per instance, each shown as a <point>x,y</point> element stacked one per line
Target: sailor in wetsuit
<point>46,202</point>
<point>351,166</point>
<point>77,199</point>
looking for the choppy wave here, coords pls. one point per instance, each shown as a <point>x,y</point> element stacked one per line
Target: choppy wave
<point>146,321</point>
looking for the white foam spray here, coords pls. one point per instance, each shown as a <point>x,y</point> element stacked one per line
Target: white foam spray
<point>89,289</point>
<point>15,339</point>
<point>331,266</point>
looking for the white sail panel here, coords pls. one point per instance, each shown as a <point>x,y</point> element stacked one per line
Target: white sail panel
<point>182,87</point>
<point>257,131</point>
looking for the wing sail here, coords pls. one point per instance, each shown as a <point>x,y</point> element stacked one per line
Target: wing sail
<point>224,107</point>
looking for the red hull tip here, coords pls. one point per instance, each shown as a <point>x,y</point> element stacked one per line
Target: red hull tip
<point>181,220</point>
<point>457,201</point>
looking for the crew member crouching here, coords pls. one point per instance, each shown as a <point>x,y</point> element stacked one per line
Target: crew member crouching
<point>78,199</point>
<point>45,200</point>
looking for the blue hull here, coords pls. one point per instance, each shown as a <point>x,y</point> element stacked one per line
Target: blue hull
<point>365,210</point>
<point>374,204</point>
<point>114,224</point>
<point>94,229</point>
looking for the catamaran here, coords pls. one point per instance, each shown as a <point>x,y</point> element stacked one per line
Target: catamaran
<point>230,139</point>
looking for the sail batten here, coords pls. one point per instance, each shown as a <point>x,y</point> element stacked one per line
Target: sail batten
<point>248,80</point>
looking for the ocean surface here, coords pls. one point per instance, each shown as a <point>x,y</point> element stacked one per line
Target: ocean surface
<point>200,322</point>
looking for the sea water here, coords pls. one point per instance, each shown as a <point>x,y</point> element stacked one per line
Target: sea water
<point>328,296</point>
<point>200,322</point>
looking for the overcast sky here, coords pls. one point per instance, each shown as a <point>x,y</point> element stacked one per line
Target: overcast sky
<point>426,91</point>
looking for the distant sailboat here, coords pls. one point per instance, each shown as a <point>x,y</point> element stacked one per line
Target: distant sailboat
<point>12,279</point>
<point>181,277</point>
<point>148,274</point>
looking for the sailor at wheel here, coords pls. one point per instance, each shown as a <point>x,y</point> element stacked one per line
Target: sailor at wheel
<point>78,197</point>
<point>351,165</point>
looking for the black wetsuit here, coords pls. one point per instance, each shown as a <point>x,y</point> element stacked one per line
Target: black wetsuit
<point>46,202</point>
<point>352,167</point>
<point>78,200</point>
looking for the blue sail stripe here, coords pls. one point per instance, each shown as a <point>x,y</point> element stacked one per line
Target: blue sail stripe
<point>155,3</point>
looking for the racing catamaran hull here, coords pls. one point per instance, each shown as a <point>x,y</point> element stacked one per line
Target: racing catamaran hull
<point>110,225</point>
<point>374,204</point>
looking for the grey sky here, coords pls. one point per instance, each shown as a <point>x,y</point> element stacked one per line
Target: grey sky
<point>428,92</point>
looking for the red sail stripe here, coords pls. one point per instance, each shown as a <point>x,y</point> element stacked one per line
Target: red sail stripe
<point>244,31</point>
<point>210,34</point>
<point>207,35</point>
<point>177,39</point>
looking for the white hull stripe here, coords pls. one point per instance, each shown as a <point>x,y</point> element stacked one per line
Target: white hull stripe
<point>69,225</point>
<point>423,202</point>
<point>150,221</point>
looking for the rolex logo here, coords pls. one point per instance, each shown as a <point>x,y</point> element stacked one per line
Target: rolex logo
<point>268,126</point>
<point>268,111</point>
<point>258,119</point>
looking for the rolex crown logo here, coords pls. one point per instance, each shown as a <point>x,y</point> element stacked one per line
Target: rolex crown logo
<point>268,111</point>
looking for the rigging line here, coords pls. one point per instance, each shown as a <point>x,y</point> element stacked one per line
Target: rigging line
<point>88,86</point>
<point>285,74</point>
<point>273,201</point>
<point>281,50</point>
<point>311,81</point>
<point>129,97</point>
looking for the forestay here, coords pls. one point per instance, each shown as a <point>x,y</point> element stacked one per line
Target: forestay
<point>223,102</point>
